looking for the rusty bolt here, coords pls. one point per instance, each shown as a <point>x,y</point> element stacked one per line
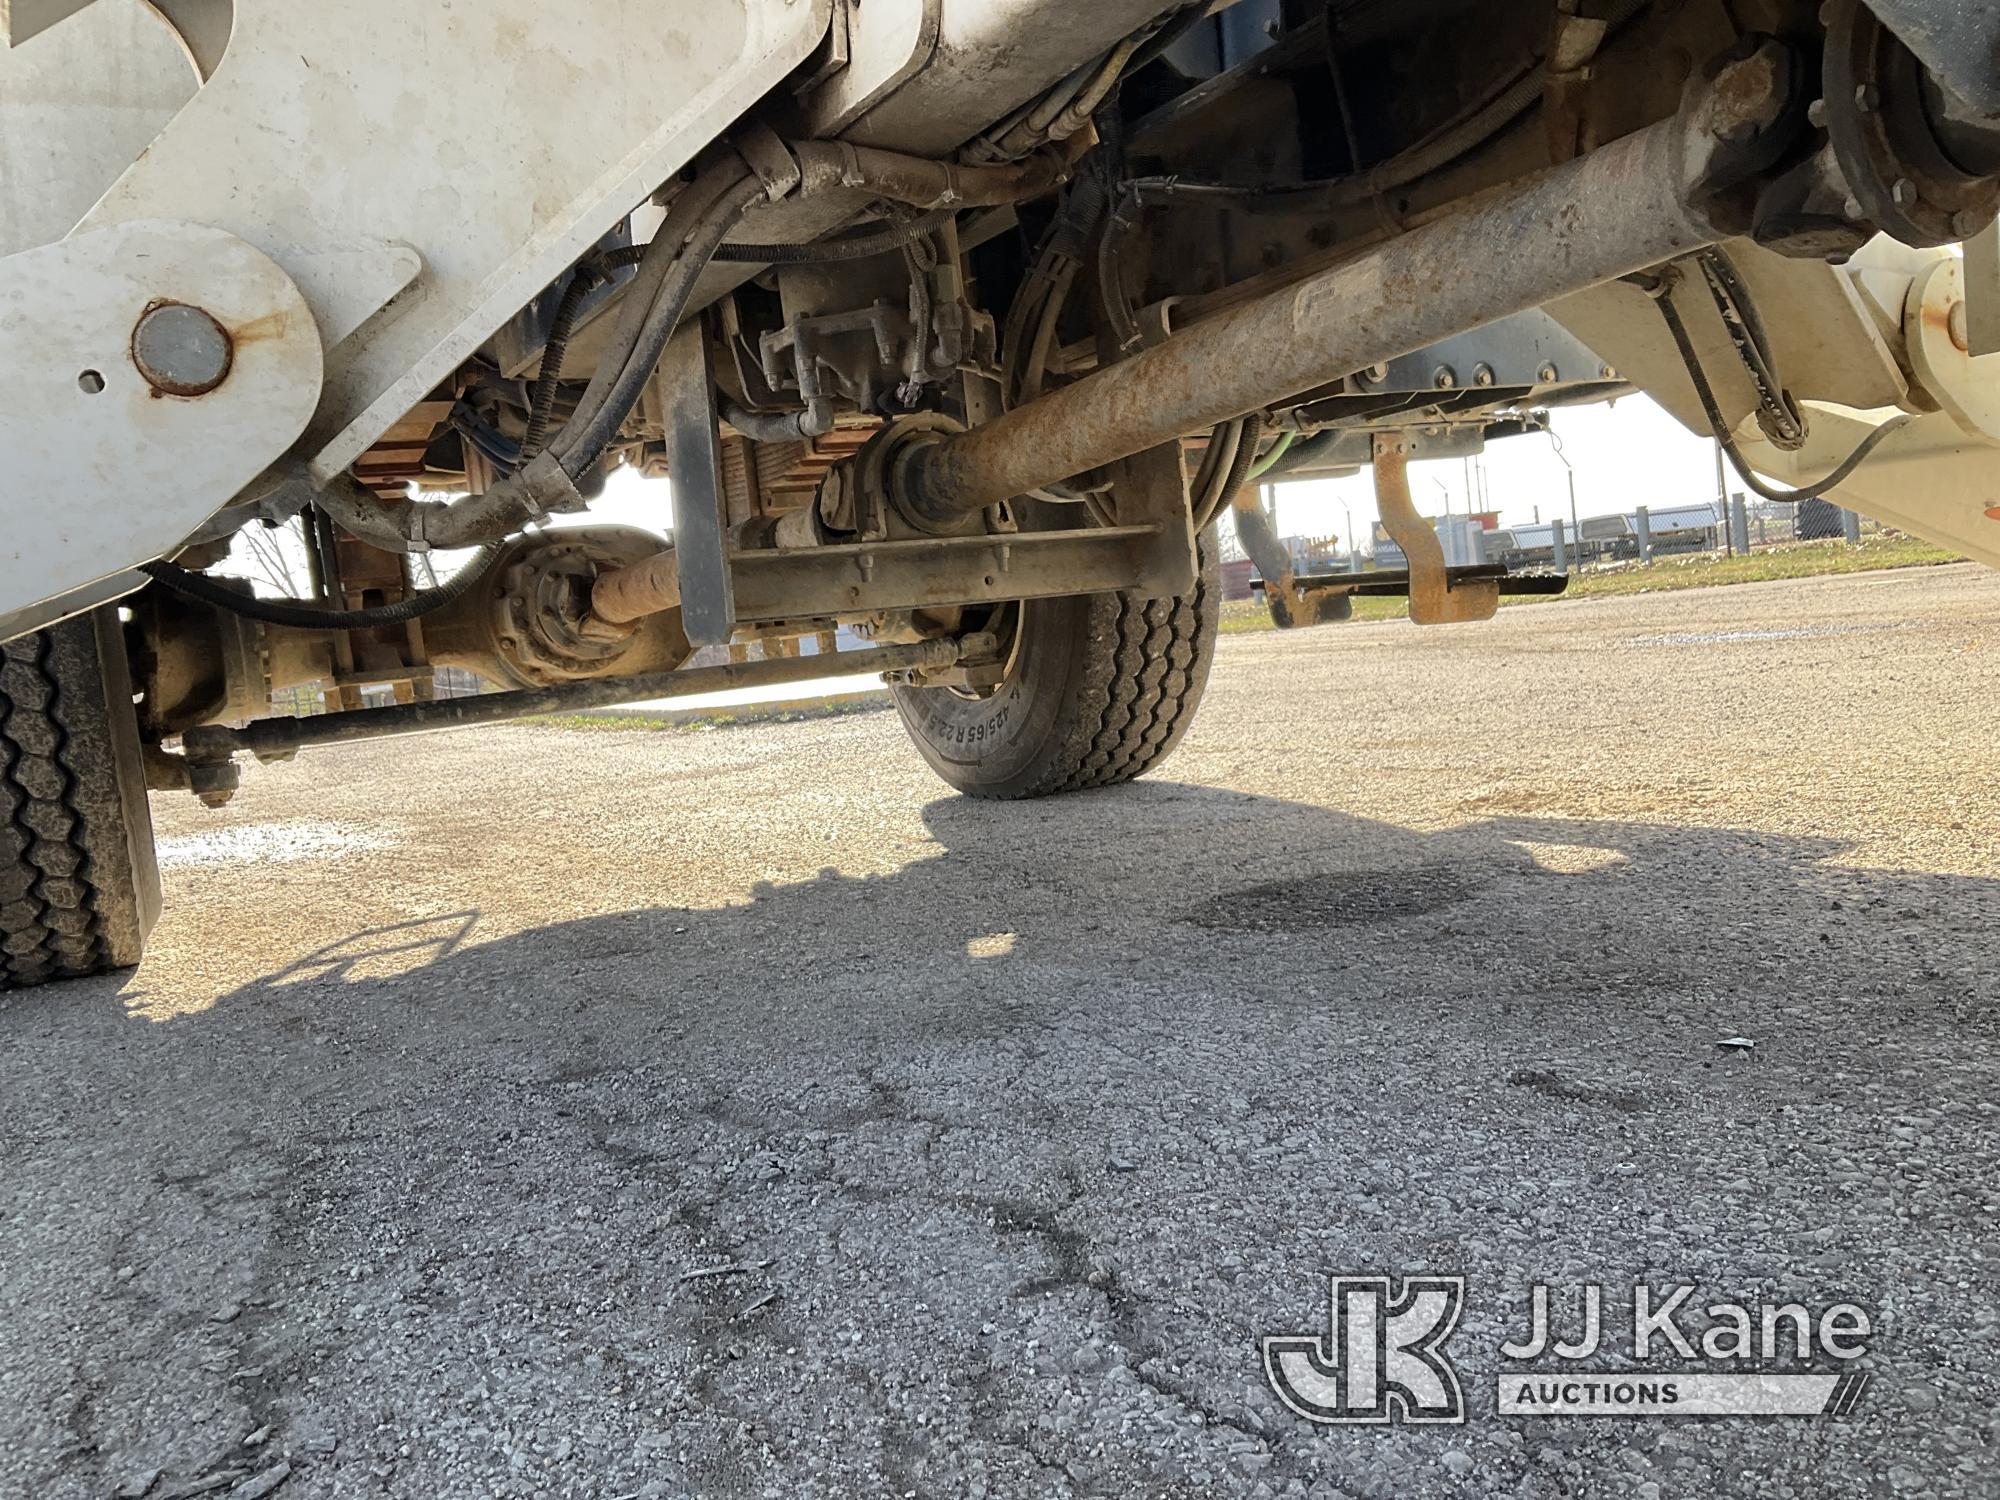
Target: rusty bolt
<point>181,350</point>
<point>1445,378</point>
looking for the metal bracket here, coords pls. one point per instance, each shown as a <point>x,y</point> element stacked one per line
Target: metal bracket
<point>1529,349</point>
<point>694,461</point>
<point>1150,490</point>
<point>137,461</point>
<point>286,148</point>
<point>1982,291</point>
<point>1434,598</point>
<point>888,43</point>
<point>769,157</point>
<point>1937,332</point>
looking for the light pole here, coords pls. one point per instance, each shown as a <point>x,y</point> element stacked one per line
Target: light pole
<point>1722,503</point>
<point>1575,531</point>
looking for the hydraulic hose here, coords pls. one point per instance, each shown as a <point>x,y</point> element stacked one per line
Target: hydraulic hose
<point>832,248</point>
<point>1435,152</point>
<point>921,182</point>
<point>1271,460</point>
<point>1234,476</point>
<point>640,299</point>
<point>301,615</point>
<point>584,438</point>
<point>1301,453</point>
<point>653,302</point>
<point>1422,159</point>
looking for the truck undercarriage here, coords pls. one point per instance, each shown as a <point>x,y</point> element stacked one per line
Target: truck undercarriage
<point>954,322</point>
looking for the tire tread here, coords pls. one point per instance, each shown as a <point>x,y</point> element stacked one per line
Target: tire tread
<point>1130,715</point>
<point>50,929</point>
<point>79,885</point>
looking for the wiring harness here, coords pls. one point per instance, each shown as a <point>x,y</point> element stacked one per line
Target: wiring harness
<point>1776,408</point>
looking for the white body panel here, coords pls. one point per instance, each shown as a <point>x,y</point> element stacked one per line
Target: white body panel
<point>498,141</point>
<point>101,471</point>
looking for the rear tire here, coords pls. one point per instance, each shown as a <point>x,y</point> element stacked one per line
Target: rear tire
<point>1099,688</point>
<point>79,889</point>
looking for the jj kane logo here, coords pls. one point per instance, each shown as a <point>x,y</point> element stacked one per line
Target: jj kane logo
<point>1382,1357</point>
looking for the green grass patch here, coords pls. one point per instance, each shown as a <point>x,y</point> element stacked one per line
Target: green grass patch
<point>750,716</point>
<point>1766,565</point>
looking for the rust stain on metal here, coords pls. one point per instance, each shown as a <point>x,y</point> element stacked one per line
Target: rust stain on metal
<point>269,327</point>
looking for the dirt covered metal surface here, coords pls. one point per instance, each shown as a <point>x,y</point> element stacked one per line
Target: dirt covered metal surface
<point>743,1115</point>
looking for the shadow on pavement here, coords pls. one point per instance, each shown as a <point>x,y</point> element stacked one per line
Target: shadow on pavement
<point>1013,1152</point>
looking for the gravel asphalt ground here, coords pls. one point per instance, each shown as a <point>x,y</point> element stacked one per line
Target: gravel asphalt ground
<point>614,1113</point>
